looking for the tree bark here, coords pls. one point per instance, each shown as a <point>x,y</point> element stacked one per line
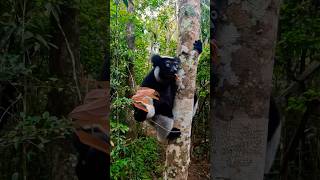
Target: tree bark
<point>246,35</point>
<point>130,37</point>
<point>61,62</point>
<point>131,46</point>
<point>178,154</point>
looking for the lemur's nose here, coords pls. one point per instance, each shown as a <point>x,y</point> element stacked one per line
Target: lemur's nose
<point>173,69</point>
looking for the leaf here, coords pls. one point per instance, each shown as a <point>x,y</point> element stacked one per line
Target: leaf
<point>42,40</point>
<point>52,45</point>
<point>53,79</point>
<point>28,35</point>
<point>40,146</point>
<point>45,115</point>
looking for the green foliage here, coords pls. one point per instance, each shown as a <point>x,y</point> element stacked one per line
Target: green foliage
<point>29,144</point>
<point>12,68</point>
<point>299,34</point>
<point>299,104</point>
<point>137,160</point>
<point>133,159</point>
<point>37,131</point>
<point>26,148</point>
<point>203,73</point>
<point>93,35</point>
<point>118,127</point>
<point>297,48</point>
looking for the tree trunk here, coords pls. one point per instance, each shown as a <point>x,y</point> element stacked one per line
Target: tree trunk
<point>62,64</point>
<point>131,46</point>
<point>130,37</point>
<point>246,35</point>
<point>178,154</point>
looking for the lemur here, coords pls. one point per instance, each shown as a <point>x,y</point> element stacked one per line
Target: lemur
<point>162,78</point>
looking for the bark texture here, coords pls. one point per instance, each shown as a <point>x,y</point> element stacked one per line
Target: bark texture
<point>178,153</point>
<point>246,36</point>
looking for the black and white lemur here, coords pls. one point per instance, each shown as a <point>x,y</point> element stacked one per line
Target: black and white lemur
<point>162,78</point>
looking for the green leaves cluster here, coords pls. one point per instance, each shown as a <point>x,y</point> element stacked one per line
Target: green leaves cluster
<point>299,37</point>
<point>138,160</point>
<point>299,103</point>
<point>37,131</point>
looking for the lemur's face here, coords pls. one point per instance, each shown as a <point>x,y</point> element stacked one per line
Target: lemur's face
<point>170,66</point>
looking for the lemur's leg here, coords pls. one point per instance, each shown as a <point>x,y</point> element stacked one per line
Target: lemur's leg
<point>164,128</point>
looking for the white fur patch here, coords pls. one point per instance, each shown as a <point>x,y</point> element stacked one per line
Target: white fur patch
<point>156,73</point>
<point>169,57</point>
<point>163,125</point>
<point>151,111</point>
<point>195,107</point>
<point>272,148</point>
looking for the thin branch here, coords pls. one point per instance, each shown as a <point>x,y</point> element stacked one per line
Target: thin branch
<point>11,105</point>
<point>72,59</point>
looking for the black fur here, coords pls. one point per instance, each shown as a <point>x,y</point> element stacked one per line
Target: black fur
<point>274,118</point>
<point>174,134</point>
<point>92,163</point>
<point>165,85</point>
<point>166,88</point>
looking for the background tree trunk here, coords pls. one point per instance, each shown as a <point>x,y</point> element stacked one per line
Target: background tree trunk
<point>131,46</point>
<point>130,37</point>
<point>246,35</point>
<point>60,63</point>
<point>178,154</point>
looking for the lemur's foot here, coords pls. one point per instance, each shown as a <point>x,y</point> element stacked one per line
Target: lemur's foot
<point>174,134</point>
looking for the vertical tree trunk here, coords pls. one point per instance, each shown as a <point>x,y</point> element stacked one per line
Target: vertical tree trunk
<point>61,61</point>
<point>178,154</point>
<point>130,37</point>
<point>246,35</point>
<point>131,45</point>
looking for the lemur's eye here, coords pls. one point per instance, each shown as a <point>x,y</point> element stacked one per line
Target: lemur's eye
<point>167,64</point>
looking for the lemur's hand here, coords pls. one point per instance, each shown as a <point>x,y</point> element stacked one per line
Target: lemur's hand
<point>197,45</point>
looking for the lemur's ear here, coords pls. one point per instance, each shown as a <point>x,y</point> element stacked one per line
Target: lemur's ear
<point>155,59</point>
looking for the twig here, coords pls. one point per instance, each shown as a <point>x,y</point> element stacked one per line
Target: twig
<point>72,59</point>
<point>13,103</point>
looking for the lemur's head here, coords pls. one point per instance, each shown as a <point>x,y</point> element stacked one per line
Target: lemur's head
<point>168,66</point>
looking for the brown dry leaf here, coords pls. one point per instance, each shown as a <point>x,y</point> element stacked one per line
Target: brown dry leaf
<point>142,97</point>
<point>94,113</point>
<point>93,110</point>
<point>96,94</point>
<point>140,106</point>
<point>93,141</point>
